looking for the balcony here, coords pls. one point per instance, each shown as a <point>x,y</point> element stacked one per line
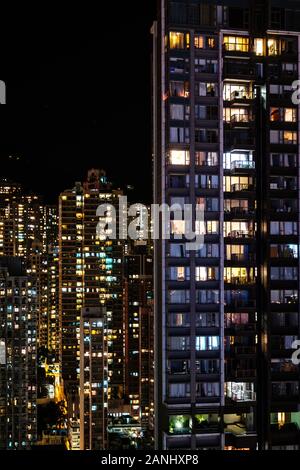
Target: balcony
<point>242,374</point>
<point>239,69</point>
<point>242,165</point>
<point>239,212</point>
<point>241,327</point>
<point>240,234</point>
<point>241,95</point>
<point>240,257</point>
<point>241,187</point>
<point>237,141</point>
<point>239,280</point>
<point>287,433</point>
<point>240,118</point>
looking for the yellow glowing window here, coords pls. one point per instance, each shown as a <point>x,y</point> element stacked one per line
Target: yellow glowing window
<point>199,42</point>
<point>211,43</point>
<point>259,46</point>
<point>290,137</point>
<point>187,40</point>
<point>176,40</point>
<point>273,47</point>
<point>290,114</point>
<point>181,273</point>
<point>275,114</point>
<point>236,43</point>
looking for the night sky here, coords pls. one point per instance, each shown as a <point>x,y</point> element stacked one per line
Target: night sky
<point>78,95</point>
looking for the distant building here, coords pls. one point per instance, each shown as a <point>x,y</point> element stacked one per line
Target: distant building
<point>90,275</point>
<point>93,379</point>
<point>138,317</point>
<point>18,349</point>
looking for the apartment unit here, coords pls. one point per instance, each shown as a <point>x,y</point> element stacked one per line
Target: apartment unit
<point>18,350</point>
<point>226,138</point>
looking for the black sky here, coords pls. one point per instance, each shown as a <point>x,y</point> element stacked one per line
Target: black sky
<point>78,95</point>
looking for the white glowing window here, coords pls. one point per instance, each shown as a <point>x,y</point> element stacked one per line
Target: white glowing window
<point>177,227</point>
<point>179,157</point>
<point>259,46</point>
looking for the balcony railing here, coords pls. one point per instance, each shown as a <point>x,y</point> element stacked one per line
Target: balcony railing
<point>240,118</point>
<point>241,95</point>
<point>239,211</point>
<point>239,280</point>
<point>241,187</point>
<point>242,165</point>
<point>241,374</point>
<point>239,257</point>
<point>244,349</point>
<point>240,234</point>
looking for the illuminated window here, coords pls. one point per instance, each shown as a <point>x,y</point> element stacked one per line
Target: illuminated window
<point>179,88</point>
<point>180,424</point>
<point>206,89</point>
<point>236,43</point>
<point>275,114</point>
<point>204,273</point>
<point>259,46</point>
<point>290,114</point>
<point>290,137</point>
<point>178,227</point>
<point>233,91</point>
<point>211,43</point>
<point>179,157</point>
<point>283,137</point>
<point>283,114</point>
<point>199,42</point>
<point>279,46</point>
<point>273,47</point>
<point>236,115</point>
<point>179,40</point>
<point>179,273</point>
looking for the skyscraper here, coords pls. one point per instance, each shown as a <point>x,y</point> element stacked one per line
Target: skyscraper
<point>90,275</point>
<point>18,353</point>
<point>138,330</point>
<point>93,379</point>
<point>226,137</point>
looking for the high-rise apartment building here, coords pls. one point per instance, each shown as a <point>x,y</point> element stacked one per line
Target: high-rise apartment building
<point>226,137</point>
<point>28,229</point>
<point>93,379</point>
<point>90,275</point>
<point>18,353</point>
<point>138,330</point>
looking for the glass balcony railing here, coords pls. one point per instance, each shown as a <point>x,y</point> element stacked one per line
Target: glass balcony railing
<point>239,280</point>
<point>239,257</point>
<point>240,118</point>
<point>242,165</point>
<point>239,211</point>
<point>241,187</point>
<point>240,234</point>
<point>241,95</point>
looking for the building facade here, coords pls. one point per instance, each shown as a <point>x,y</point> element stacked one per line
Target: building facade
<point>226,137</point>
<point>18,356</point>
<point>138,319</point>
<point>90,275</point>
<point>93,379</point>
